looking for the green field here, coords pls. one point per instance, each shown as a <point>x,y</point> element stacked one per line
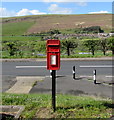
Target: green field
<point>25,37</point>
<point>16,28</point>
<point>42,23</point>
<point>68,106</point>
<point>21,38</point>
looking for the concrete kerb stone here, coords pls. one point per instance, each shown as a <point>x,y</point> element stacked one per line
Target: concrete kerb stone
<point>99,79</point>
<point>24,84</point>
<point>62,59</point>
<point>86,59</point>
<point>21,60</point>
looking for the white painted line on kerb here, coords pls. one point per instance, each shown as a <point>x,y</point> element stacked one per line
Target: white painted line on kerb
<point>31,66</point>
<point>92,76</point>
<point>85,76</point>
<point>100,66</point>
<point>109,76</point>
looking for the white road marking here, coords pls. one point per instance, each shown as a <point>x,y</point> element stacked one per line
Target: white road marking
<point>31,66</point>
<point>100,66</point>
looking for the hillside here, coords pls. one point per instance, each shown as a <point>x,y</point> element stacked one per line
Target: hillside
<point>42,23</point>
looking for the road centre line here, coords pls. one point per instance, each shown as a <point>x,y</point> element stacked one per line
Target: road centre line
<point>101,66</point>
<point>31,66</point>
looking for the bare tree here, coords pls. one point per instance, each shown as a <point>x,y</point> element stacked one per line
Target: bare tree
<point>103,45</point>
<point>69,44</point>
<point>91,44</point>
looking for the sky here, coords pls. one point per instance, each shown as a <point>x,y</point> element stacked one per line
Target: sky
<point>10,9</point>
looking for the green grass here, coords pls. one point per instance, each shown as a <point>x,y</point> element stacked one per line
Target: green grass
<point>97,55</point>
<point>20,38</point>
<point>16,28</point>
<point>67,31</point>
<point>39,106</point>
<point>27,54</point>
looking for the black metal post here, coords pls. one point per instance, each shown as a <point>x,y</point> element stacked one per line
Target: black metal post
<point>54,90</point>
<point>73,72</point>
<point>94,76</point>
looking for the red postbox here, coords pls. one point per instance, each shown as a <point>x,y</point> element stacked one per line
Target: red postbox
<point>53,54</point>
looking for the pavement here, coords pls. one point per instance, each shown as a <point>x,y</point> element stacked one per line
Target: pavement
<point>64,85</point>
<point>79,86</point>
<point>7,82</point>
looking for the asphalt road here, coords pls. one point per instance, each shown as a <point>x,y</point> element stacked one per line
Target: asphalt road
<point>65,83</point>
<point>82,68</point>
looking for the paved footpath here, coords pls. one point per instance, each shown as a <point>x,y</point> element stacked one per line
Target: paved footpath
<point>24,84</point>
<point>80,86</point>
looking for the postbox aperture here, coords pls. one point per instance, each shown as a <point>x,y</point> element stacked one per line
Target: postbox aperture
<point>53,60</point>
<point>53,54</point>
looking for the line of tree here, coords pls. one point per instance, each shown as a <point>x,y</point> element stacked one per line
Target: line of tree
<point>91,29</point>
<point>91,44</point>
<point>21,48</point>
<point>18,48</point>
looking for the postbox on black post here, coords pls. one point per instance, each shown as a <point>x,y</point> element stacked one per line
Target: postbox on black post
<point>53,63</point>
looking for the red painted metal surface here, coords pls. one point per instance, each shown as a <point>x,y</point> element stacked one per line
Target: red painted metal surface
<point>53,54</point>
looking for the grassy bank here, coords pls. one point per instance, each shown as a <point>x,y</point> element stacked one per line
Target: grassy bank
<point>39,106</point>
<point>27,54</point>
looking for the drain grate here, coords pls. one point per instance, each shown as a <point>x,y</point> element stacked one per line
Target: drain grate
<point>4,116</point>
<point>9,112</point>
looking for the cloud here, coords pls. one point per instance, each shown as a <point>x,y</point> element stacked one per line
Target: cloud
<point>63,0</point>
<point>23,12</point>
<point>55,9</point>
<point>80,3</point>
<point>36,12</point>
<point>5,13</point>
<point>29,12</point>
<point>99,12</point>
<point>55,0</point>
<point>58,0</point>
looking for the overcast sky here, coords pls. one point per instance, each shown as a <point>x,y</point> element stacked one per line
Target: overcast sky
<point>10,9</point>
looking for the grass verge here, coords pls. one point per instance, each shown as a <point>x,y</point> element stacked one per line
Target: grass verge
<point>39,106</point>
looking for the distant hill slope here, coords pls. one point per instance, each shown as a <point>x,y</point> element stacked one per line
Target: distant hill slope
<point>41,23</point>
